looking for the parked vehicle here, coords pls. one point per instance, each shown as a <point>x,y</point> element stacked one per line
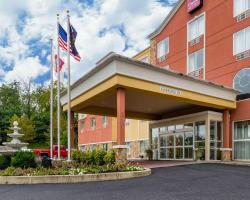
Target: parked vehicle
<point>46,152</point>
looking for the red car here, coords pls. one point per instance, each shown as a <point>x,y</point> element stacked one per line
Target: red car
<point>46,152</point>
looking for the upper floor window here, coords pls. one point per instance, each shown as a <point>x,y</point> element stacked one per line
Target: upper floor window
<point>242,81</point>
<point>196,60</point>
<point>93,123</point>
<point>196,28</point>
<point>162,49</point>
<point>104,121</point>
<point>82,125</point>
<point>241,41</point>
<point>240,6</point>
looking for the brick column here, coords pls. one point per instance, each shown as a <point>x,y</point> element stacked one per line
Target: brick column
<point>72,132</point>
<point>226,150</point>
<point>121,150</point>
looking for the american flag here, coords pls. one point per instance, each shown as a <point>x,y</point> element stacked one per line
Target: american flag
<point>63,41</point>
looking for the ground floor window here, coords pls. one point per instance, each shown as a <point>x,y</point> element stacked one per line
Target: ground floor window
<point>199,139</point>
<point>215,140</point>
<point>242,140</point>
<point>143,146</point>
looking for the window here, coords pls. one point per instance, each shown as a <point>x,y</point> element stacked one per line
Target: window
<point>82,124</point>
<point>196,60</point>
<point>241,41</point>
<point>143,146</point>
<point>240,6</point>
<point>242,81</point>
<point>104,121</point>
<point>163,49</point>
<point>196,28</point>
<point>93,123</point>
<point>127,122</point>
<point>242,140</point>
<point>145,59</point>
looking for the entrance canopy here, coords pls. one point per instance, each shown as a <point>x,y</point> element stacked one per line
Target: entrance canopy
<point>151,93</point>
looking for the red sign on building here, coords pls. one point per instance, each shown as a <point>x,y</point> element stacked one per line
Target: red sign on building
<point>194,4</point>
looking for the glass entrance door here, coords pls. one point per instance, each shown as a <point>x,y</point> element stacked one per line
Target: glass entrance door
<point>176,146</point>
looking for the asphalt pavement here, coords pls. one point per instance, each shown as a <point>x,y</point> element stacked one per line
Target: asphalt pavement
<point>190,182</point>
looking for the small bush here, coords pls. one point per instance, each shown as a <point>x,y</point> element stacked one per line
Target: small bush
<point>109,158</point>
<point>4,161</point>
<point>99,157</point>
<point>88,157</point>
<point>77,156</point>
<point>23,160</point>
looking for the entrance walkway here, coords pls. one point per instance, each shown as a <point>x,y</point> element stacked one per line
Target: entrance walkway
<point>160,163</point>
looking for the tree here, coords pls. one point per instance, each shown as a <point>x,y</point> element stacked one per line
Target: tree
<point>10,104</point>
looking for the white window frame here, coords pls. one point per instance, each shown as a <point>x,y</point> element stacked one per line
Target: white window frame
<point>243,11</point>
<point>204,43</point>
<point>104,121</point>
<point>234,35</point>
<point>167,48</point>
<point>235,140</point>
<point>82,128</point>
<point>236,76</point>
<point>192,21</point>
<point>93,126</point>
<point>195,54</point>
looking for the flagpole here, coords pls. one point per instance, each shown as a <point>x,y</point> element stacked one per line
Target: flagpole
<point>58,92</point>
<point>51,99</point>
<point>69,95</point>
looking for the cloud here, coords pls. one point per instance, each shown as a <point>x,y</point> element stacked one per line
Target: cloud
<point>25,69</point>
<point>102,26</point>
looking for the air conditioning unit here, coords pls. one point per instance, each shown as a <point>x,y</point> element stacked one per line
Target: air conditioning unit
<point>162,58</point>
<point>195,41</point>
<point>243,55</point>
<point>196,73</point>
<point>243,16</point>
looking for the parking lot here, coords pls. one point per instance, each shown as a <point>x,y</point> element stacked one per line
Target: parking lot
<point>202,181</point>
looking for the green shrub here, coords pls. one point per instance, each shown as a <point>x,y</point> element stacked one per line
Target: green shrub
<point>88,157</point>
<point>99,157</point>
<point>109,158</point>
<point>23,160</point>
<point>4,161</point>
<point>77,156</point>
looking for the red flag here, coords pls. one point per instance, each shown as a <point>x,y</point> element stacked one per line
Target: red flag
<point>61,63</point>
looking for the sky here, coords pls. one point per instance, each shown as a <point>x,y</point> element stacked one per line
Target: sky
<point>27,26</point>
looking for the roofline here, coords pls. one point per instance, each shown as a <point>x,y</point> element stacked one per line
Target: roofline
<point>146,49</point>
<point>166,20</point>
<point>110,57</point>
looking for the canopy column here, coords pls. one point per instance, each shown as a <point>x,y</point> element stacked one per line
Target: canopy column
<point>120,148</point>
<point>226,150</point>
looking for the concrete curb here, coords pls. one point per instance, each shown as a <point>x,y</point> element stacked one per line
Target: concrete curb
<point>73,178</point>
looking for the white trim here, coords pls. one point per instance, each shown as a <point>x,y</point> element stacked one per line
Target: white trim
<point>120,147</point>
<point>108,142</point>
<point>186,116</point>
<point>139,140</point>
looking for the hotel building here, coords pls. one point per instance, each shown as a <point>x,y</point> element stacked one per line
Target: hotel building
<point>195,90</point>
